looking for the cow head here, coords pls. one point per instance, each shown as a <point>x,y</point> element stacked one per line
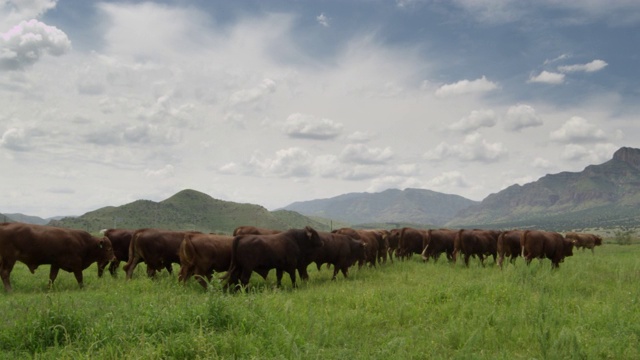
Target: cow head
<point>312,235</point>
<point>567,249</point>
<point>598,240</point>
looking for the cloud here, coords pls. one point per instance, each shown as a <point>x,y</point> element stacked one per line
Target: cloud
<point>24,44</point>
<point>475,120</point>
<point>13,11</point>
<point>165,172</point>
<point>578,130</point>
<point>360,153</point>
<point>15,139</point>
<point>290,162</point>
<point>547,77</point>
<point>359,136</point>
<point>448,180</point>
<point>267,86</point>
<point>462,87</point>
<point>595,65</point>
<point>323,20</point>
<point>592,154</point>
<point>473,148</point>
<point>308,127</point>
<point>541,163</point>
<point>521,116</point>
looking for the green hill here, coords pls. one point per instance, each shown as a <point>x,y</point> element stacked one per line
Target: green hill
<point>187,210</point>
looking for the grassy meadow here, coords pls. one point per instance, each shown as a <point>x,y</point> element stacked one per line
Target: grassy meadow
<point>588,309</point>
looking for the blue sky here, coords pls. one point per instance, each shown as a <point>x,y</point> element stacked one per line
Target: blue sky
<point>271,102</point>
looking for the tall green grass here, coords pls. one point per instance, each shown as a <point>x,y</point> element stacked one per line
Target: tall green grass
<point>587,309</point>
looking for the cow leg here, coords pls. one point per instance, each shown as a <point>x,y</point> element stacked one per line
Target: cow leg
<point>292,275</point>
<point>466,259</point>
<point>53,274</point>
<point>131,266</point>
<point>78,275</point>
<point>5,271</point>
<point>169,268</point>
<point>279,274</point>
<point>101,269</point>
<point>113,267</point>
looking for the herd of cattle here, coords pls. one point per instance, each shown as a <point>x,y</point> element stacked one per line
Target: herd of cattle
<point>251,249</point>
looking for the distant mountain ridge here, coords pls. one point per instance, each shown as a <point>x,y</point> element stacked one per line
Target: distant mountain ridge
<point>188,210</point>
<point>600,195</point>
<point>417,206</point>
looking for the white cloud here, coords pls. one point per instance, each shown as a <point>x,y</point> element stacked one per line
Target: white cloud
<point>593,154</point>
<point>595,65</point>
<point>290,162</point>
<point>473,148</point>
<point>462,87</point>
<point>323,20</point>
<point>309,127</point>
<point>360,153</point>
<point>521,116</point>
<point>474,121</point>
<point>393,182</point>
<point>24,44</point>
<point>449,180</point>
<point>15,139</point>
<point>578,130</point>
<point>267,86</point>
<point>164,172</point>
<point>541,163</point>
<point>359,136</point>
<point>547,77</point>
<point>14,11</point>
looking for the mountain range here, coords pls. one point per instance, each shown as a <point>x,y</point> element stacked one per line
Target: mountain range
<point>604,195</point>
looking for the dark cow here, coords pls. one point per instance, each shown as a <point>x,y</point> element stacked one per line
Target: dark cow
<point>382,236</point>
<point>120,240</point>
<point>393,238</point>
<point>584,240</point>
<point>475,242</point>
<point>438,241</point>
<point>370,239</point>
<point>252,230</point>
<point>540,244</point>
<point>35,245</point>
<point>509,245</point>
<point>202,254</point>
<point>261,253</point>
<point>411,242</point>
<point>341,251</point>
<point>158,248</point>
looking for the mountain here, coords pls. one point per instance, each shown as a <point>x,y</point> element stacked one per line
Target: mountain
<point>416,206</point>
<point>26,219</point>
<point>187,210</point>
<point>601,195</point>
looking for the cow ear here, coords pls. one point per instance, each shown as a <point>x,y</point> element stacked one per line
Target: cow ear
<point>100,243</point>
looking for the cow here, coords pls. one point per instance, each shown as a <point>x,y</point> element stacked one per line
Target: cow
<point>120,240</point>
<point>370,239</point>
<point>261,253</point>
<point>252,230</point>
<point>393,238</point>
<point>382,236</point>
<point>158,248</point>
<point>438,241</point>
<point>584,240</point>
<point>34,245</point>
<point>540,244</point>
<point>475,242</point>
<point>202,254</point>
<point>341,251</point>
<point>411,242</point>
<point>509,245</point>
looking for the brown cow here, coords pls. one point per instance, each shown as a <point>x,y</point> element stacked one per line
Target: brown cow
<point>120,240</point>
<point>202,254</point>
<point>509,245</point>
<point>584,240</point>
<point>252,230</point>
<point>261,253</point>
<point>475,242</point>
<point>438,241</point>
<point>158,248</point>
<point>540,244</point>
<point>393,238</point>
<point>35,245</point>
<point>370,239</point>
<point>411,242</point>
<point>341,251</point>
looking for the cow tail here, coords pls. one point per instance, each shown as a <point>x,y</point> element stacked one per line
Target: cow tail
<point>134,239</point>
<point>523,241</point>
<point>232,264</point>
<point>187,251</point>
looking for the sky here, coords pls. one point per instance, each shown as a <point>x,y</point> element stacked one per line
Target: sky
<point>271,102</point>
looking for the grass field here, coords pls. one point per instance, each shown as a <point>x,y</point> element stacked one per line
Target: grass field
<point>588,309</point>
